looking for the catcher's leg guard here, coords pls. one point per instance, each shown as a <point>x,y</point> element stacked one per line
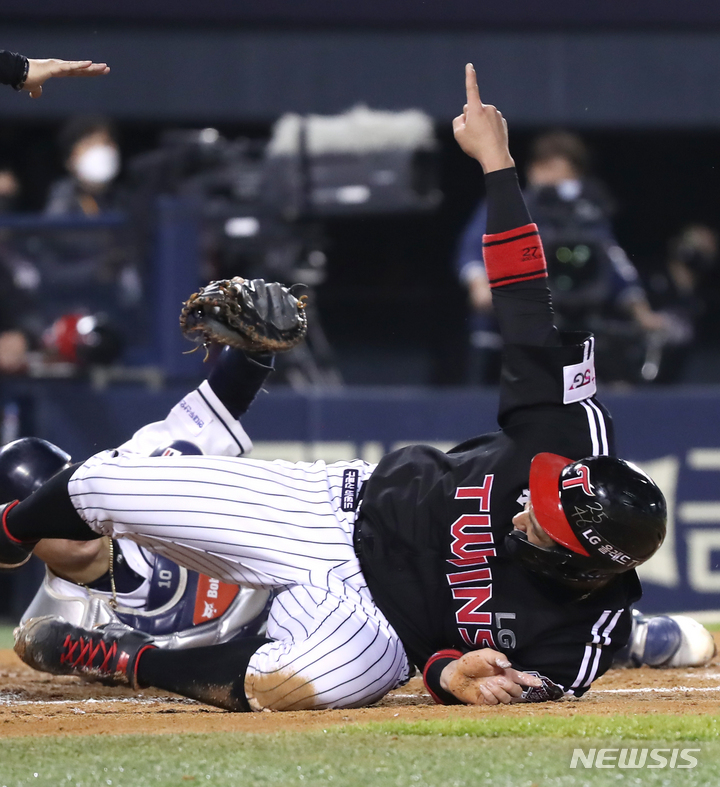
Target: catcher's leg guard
<point>13,553</point>
<point>109,653</point>
<point>697,644</point>
<point>666,641</point>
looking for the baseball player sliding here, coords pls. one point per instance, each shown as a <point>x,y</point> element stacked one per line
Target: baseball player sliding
<point>503,569</point>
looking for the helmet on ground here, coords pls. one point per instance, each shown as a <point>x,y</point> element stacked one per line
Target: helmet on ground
<point>26,464</point>
<point>606,516</point>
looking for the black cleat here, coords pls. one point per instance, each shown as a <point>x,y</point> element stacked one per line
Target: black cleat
<point>13,553</point>
<point>108,653</point>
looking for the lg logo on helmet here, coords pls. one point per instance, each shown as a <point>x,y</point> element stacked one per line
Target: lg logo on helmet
<point>581,480</point>
<point>604,547</point>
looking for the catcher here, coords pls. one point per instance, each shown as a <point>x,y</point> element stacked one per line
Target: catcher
<point>95,582</point>
<point>102,581</point>
<point>503,569</point>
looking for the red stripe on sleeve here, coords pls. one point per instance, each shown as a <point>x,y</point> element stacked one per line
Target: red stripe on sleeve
<point>513,256</point>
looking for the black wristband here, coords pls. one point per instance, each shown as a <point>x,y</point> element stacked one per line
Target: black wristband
<point>20,84</point>
<point>431,676</point>
<point>13,69</point>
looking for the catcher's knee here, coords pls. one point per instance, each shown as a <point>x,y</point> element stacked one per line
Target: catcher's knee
<point>281,689</point>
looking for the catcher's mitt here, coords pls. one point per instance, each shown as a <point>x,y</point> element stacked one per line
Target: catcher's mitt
<point>252,315</point>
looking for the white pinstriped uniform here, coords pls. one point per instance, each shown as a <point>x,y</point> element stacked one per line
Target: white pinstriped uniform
<point>259,524</point>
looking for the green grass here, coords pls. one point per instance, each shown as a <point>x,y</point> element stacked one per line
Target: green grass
<point>609,728</point>
<point>6,637</point>
<point>499,752</point>
<point>518,751</point>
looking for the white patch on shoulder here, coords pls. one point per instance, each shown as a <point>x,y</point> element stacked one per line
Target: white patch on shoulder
<point>579,381</point>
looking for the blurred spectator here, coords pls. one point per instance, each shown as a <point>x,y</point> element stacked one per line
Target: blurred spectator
<point>90,269</point>
<point>9,190</point>
<point>92,157</point>
<point>677,294</point>
<point>18,278</point>
<point>33,301</point>
<point>593,283</point>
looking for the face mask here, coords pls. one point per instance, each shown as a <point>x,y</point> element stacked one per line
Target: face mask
<point>569,190</point>
<point>98,165</point>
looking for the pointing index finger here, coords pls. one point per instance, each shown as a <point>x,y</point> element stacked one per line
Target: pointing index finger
<point>471,86</point>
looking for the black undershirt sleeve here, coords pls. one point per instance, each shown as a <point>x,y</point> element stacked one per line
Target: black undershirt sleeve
<point>523,310</point>
<point>506,207</point>
<point>237,378</point>
<point>12,67</point>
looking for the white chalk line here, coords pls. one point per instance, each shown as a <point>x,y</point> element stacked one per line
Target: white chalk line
<point>657,690</point>
<point>6,701</point>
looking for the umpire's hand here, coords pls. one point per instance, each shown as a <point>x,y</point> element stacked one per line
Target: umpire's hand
<point>39,71</point>
<point>485,677</point>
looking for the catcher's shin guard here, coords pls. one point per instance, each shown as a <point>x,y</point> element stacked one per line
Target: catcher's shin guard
<point>13,553</point>
<point>666,641</point>
<point>109,653</point>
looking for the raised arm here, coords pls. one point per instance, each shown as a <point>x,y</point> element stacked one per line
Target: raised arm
<point>517,274</point>
<point>512,249</point>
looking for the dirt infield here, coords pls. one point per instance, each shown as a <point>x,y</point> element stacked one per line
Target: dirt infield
<point>32,703</point>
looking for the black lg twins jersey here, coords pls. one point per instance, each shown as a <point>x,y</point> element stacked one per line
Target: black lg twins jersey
<point>432,529</point>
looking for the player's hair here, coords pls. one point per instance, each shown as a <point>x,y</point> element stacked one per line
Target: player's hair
<point>83,126</point>
<point>561,144</point>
